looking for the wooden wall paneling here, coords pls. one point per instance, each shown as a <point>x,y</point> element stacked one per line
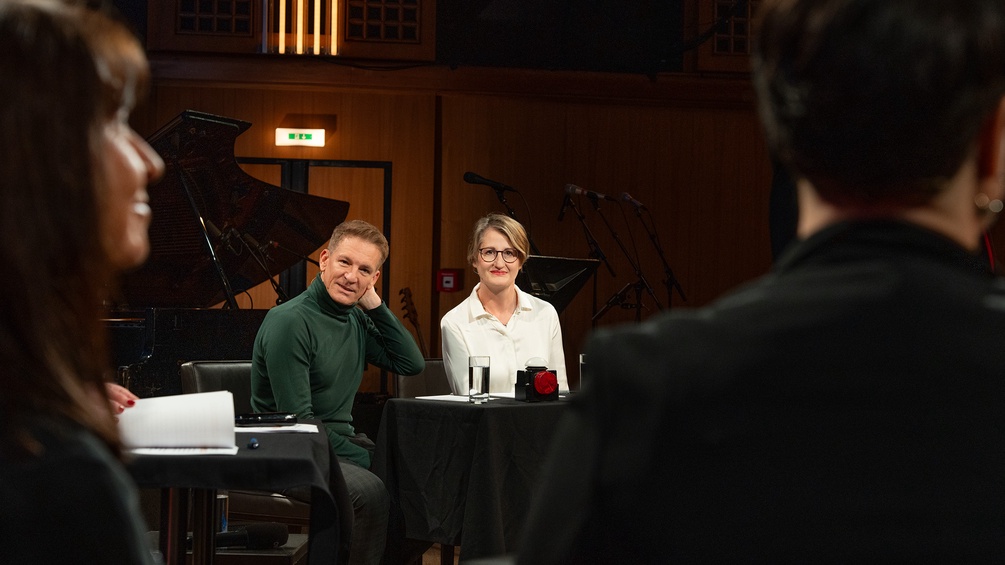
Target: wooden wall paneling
<point>304,73</point>
<point>729,209</point>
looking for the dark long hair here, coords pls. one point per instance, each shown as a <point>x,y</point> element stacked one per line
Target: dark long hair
<point>65,70</point>
<point>878,101</point>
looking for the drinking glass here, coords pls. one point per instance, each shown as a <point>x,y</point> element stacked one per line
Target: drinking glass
<point>478,378</point>
<point>582,369</point>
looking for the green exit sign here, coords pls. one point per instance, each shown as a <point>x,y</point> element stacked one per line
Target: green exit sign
<point>300,136</point>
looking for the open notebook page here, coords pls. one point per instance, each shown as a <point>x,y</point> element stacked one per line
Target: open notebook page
<point>183,424</point>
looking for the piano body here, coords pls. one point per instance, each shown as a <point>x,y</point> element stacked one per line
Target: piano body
<point>216,232</point>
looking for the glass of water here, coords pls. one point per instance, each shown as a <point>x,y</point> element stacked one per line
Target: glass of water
<point>582,369</point>
<point>478,378</point>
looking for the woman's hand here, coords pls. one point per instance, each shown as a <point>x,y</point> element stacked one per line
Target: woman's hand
<point>119,397</point>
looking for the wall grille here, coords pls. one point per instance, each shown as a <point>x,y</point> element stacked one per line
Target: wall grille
<point>214,17</point>
<point>736,38</point>
<point>395,21</point>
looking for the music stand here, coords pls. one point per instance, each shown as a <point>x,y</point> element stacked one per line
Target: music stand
<point>555,280</point>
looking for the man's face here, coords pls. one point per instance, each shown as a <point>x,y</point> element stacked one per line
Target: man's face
<point>350,269</point>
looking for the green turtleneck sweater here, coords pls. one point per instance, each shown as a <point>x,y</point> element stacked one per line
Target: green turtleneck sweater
<point>309,358</point>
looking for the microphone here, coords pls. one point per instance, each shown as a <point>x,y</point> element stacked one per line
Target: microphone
<point>573,189</point>
<point>628,198</point>
<point>565,204</point>
<point>263,249</point>
<point>213,230</point>
<point>255,535</point>
<point>472,178</point>
<point>223,237</point>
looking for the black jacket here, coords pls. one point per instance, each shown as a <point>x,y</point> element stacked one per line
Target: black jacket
<point>848,407</point>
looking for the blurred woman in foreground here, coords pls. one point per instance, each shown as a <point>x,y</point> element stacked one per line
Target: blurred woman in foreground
<point>73,178</point>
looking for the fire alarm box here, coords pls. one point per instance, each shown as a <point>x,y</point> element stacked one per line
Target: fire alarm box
<point>449,280</point>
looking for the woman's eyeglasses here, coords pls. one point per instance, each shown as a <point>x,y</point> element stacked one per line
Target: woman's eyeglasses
<point>489,255</point>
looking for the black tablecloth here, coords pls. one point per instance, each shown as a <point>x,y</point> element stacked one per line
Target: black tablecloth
<point>463,474</point>
<point>282,461</point>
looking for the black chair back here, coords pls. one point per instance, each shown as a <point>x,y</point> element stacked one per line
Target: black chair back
<point>431,381</point>
<point>211,376</point>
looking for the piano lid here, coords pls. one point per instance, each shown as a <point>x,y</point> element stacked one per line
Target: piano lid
<point>206,206</point>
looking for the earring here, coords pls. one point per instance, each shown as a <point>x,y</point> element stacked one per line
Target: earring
<point>986,205</point>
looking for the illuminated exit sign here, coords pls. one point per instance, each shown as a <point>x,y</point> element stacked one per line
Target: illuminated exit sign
<point>299,136</point>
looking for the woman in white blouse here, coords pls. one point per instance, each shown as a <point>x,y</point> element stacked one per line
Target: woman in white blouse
<point>498,319</point>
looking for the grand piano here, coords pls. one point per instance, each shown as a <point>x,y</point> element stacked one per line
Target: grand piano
<point>216,232</point>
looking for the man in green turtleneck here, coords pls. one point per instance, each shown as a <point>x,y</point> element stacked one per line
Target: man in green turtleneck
<point>309,357</point>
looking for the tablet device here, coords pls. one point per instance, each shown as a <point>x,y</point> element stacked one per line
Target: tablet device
<point>266,419</point>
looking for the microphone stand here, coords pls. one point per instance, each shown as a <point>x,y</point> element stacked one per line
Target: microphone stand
<point>257,255</point>
<point>591,241</point>
<point>670,281</point>
<point>501,195</point>
<point>228,292</point>
<point>284,277</point>
<point>640,279</point>
<point>282,247</point>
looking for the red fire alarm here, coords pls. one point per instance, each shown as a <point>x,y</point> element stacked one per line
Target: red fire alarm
<point>449,280</point>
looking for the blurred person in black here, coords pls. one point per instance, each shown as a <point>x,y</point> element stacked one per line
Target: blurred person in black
<point>847,407</point>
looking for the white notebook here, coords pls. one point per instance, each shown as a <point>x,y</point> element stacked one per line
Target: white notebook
<point>183,424</point>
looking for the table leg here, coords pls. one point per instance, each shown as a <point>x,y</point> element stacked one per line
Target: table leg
<point>174,522</point>
<point>446,554</point>
<point>203,527</point>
